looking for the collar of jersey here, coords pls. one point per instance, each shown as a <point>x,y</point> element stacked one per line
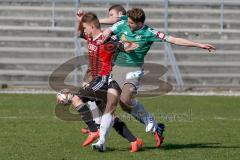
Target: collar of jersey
<point>140,29</point>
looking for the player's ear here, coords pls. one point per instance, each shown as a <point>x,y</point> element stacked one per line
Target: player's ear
<point>92,26</point>
<point>120,14</point>
<point>139,23</point>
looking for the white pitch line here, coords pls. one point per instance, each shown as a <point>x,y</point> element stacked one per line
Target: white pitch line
<point>217,118</point>
<point>228,119</point>
<point>207,93</point>
<point>9,117</point>
<point>196,93</point>
<point>27,92</point>
<point>26,118</point>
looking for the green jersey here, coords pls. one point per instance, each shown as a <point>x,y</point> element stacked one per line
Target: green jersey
<point>144,37</point>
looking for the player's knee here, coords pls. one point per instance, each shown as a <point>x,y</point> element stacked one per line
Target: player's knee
<point>129,89</point>
<point>125,99</point>
<point>113,92</point>
<point>127,94</point>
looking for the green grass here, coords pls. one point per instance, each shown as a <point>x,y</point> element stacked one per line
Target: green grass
<point>198,128</point>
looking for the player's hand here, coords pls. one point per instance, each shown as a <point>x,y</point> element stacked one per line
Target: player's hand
<point>209,47</point>
<point>130,46</point>
<point>79,14</point>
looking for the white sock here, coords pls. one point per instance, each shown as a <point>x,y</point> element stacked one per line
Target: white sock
<point>95,112</point>
<point>106,124</point>
<point>143,116</point>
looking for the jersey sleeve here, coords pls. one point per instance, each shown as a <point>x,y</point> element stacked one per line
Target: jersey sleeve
<point>114,39</point>
<point>157,36</point>
<point>117,27</point>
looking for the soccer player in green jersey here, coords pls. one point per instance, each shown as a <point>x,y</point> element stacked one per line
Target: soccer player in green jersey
<point>130,64</point>
<point>118,13</point>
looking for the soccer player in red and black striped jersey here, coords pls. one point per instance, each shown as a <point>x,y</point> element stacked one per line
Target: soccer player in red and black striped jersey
<point>100,57</point>
<point>101,89</point>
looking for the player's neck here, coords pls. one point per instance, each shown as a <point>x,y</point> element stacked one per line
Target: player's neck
<point>139,27</point>
<point>96,33</point>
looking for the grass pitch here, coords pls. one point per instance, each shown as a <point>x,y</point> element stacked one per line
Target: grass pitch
<point>198,128</point>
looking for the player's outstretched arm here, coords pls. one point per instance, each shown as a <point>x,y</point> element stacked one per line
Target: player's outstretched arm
<point>188,43</point>
<point>110,20</point>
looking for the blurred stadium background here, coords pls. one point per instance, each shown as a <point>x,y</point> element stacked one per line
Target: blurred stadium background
<point>36,36</point>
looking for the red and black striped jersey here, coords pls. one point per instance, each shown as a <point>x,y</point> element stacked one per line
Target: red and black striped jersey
<point>100,55</point>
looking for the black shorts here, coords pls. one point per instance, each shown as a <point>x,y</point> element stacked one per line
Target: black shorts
<point>97,90</point>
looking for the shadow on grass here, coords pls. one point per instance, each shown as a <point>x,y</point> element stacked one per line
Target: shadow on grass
<point>177,146</point>
<point>190,146</point>
<point>125,149</point>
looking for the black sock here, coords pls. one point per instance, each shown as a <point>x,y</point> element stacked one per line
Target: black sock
<point>87,117</point>
<point>92,126</point>
<point>98,125</point>
<point>123,130</point>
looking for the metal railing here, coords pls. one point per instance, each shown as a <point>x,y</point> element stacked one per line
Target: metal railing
<point>129,2</point>
<point>221,16</point>
<point>169,55</point>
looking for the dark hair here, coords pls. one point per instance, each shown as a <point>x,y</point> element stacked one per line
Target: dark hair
<point>91,18</point>
<point>118,8</point>
<point>136,14</point>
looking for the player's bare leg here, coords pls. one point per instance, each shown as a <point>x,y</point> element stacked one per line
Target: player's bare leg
<point>137,110</point>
